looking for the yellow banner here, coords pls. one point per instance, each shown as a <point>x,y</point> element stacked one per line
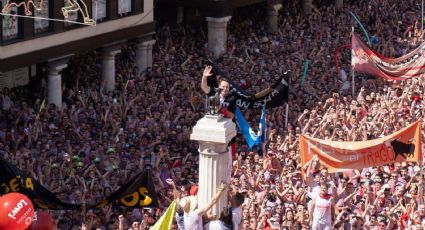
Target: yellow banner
<point>403,145</point>
<point>166,220</point>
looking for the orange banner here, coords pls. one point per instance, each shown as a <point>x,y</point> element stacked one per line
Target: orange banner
<point>404,145</point>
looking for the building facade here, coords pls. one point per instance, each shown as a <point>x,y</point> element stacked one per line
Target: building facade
<point>52,31</point>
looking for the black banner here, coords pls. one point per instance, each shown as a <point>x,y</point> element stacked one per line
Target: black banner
<point>14,180</point>
<point>138,192</point>
<point>272,97</point>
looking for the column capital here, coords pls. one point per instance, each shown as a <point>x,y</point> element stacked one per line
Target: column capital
<point>146,43</point>
<point>211,149</point>
<point>110,54</point>
<point>114,45</point>
<point>219,20</point>
<point>145,37</point>
<point>58,64</point>
<point>55,68</point>
<point>274,7</point>
<point>213,130</point>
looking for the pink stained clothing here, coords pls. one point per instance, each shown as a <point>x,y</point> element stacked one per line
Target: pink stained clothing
<point>322,214</point>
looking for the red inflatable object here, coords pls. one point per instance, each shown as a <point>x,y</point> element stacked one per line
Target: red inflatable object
<point>42,221</point>
<point>16,212</point>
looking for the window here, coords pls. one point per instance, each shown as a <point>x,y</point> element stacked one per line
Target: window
<point>99,9</point>
<point>124,6</point>
<point>70,14</point>
<point>10,24</point>
<point>42,25</point>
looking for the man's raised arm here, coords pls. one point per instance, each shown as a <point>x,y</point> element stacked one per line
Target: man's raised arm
<point>204,85</point>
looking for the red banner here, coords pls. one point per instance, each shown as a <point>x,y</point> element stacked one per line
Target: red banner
<point>403,145</point>
<point>365,60</point>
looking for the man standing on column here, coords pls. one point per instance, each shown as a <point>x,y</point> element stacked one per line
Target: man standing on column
<point>227,106</point>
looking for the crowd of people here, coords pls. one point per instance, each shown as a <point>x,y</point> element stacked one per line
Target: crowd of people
<point>98,140</point>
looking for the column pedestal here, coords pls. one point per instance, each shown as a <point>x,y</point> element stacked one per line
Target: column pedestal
<point>272,14</point>
<point>54,84</point>
<point>108,69</point>
<point>217,35</point>
<point>144,55</point>
<point>213,135</point>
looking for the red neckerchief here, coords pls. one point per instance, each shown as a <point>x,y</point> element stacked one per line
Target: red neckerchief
<point>361,191</point>
<point>326,197</point>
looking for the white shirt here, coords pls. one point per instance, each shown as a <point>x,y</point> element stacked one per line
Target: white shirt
<point>215,225</point>
<point>192,221</point>
<point>322,210</point>
<point>236,217</point>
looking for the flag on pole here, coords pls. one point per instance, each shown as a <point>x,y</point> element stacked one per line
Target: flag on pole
<point>252,138</point>
<point>262,134</point>
<point>166,220</point>
<point>304,72</point>
<point>43,104</point>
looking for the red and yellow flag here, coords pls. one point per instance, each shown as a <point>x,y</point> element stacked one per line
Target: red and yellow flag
<point>403,145</point>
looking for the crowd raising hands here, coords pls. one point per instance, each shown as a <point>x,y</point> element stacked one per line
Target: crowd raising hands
<point>97,140</point>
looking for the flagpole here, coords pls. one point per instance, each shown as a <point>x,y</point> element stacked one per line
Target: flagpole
<point>287,112</point>
<point>352,70</point>
<point>422,21</point>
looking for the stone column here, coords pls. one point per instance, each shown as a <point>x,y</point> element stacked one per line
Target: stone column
<point>108,69</point>
<point>150,47</point>
<point>217,35</point>
<point>54,83</point>
<point>144,55</point>
<point>339,4</point>
<point>307,6</point>
<point>273,13</point>
<point>213,134</point>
